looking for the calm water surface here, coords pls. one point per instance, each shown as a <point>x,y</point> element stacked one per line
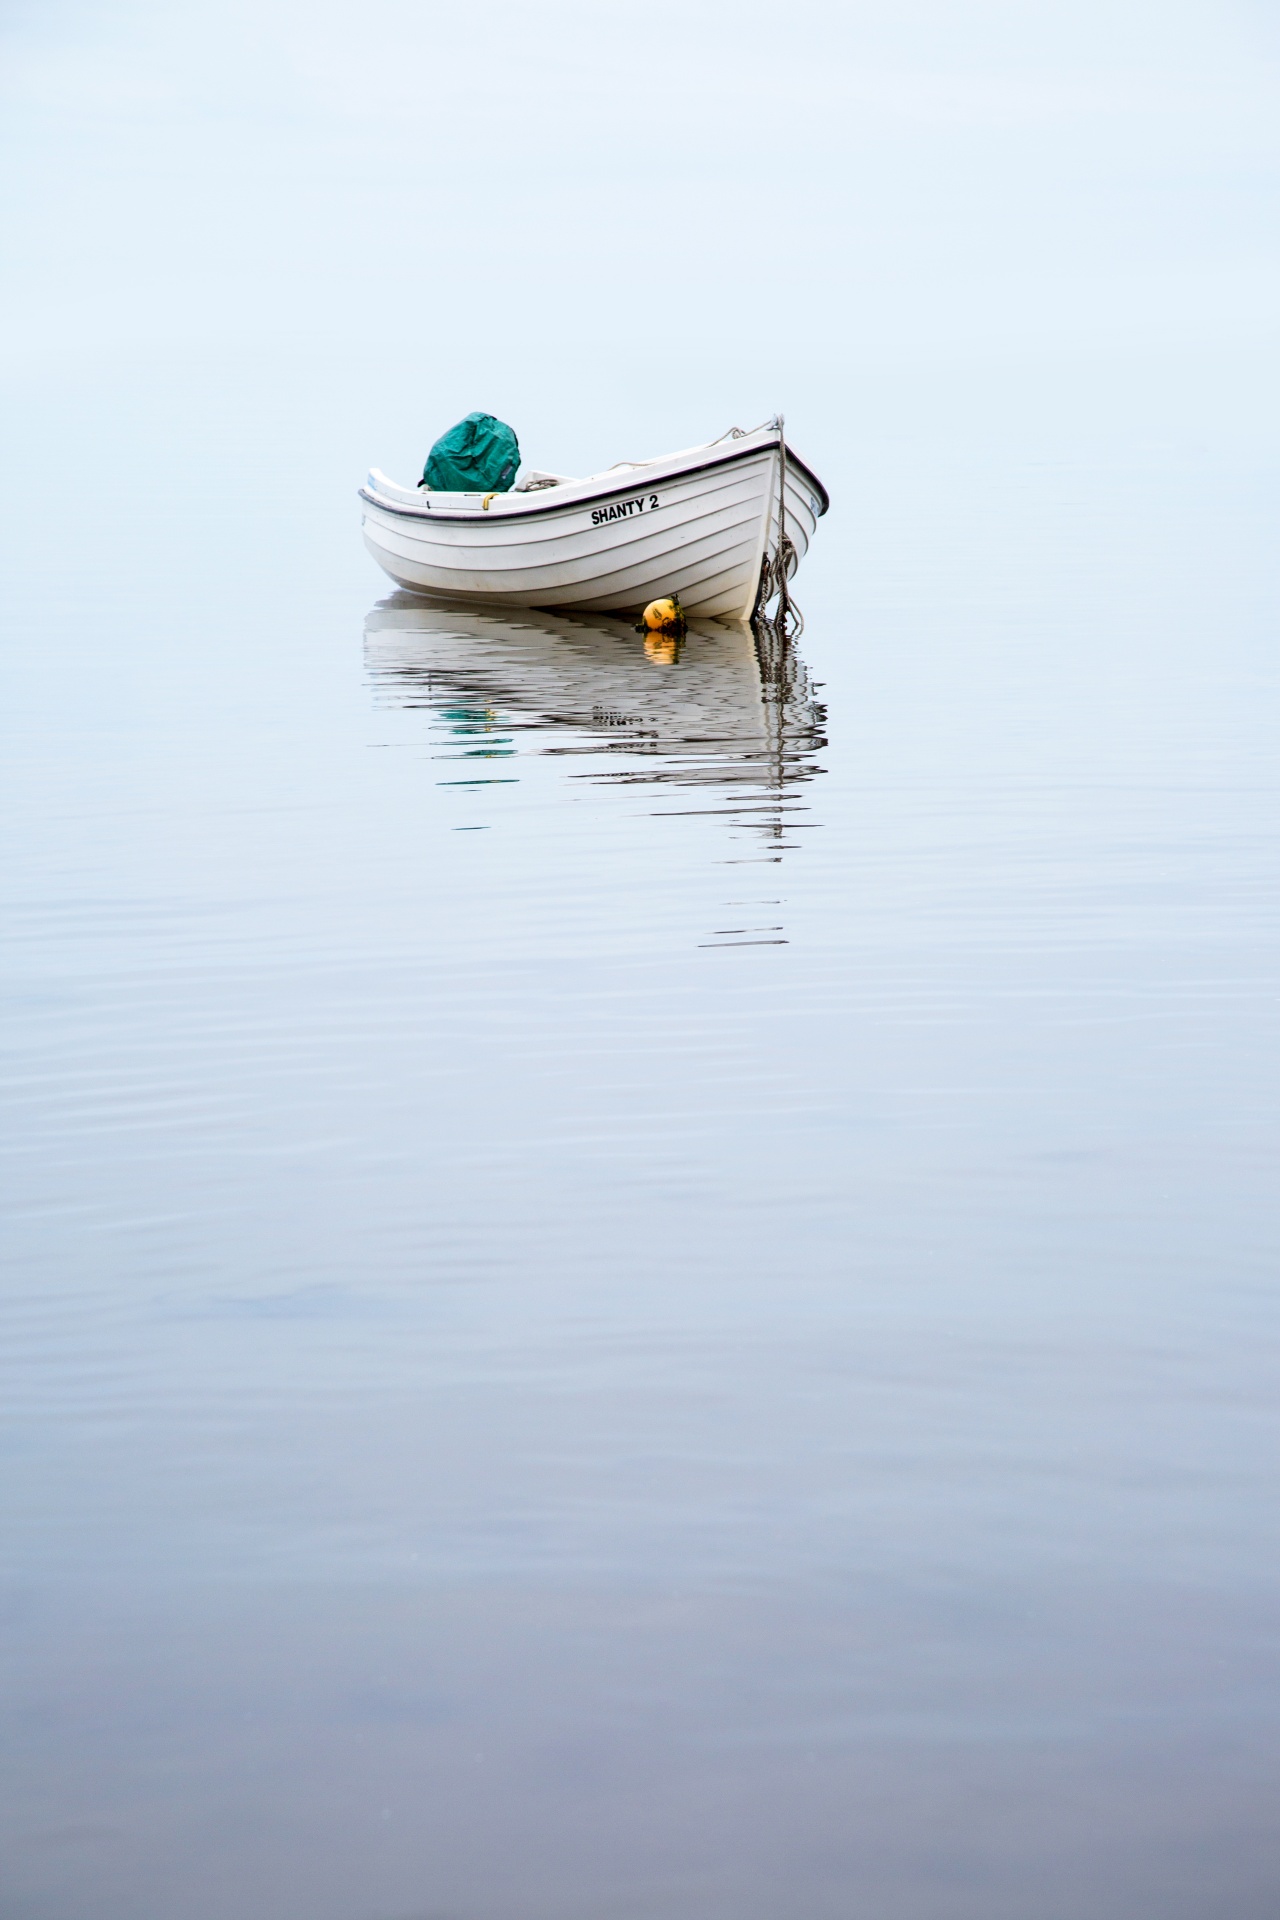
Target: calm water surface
<point>644,1282</point>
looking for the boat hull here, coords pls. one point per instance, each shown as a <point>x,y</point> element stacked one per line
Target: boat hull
<point>698,525</point>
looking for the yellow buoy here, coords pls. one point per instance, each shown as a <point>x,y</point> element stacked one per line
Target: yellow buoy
<point>663,616</point>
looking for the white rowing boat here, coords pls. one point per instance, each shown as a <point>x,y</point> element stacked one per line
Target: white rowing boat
<point>709,524</point>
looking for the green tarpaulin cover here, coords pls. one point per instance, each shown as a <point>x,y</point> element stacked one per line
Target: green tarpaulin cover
<point>479,455</point>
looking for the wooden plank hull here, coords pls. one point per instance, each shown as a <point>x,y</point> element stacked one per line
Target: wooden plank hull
<point>697,524</point>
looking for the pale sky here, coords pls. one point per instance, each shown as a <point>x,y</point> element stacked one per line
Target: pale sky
<point>624,210</point>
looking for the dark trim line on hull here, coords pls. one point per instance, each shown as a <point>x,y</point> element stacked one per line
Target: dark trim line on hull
<point>619,491</point>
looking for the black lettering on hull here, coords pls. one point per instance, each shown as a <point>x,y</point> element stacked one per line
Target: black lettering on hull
<point>623,509</point>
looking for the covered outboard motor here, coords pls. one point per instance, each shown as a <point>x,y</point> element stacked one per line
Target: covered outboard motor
<point>479,455</point>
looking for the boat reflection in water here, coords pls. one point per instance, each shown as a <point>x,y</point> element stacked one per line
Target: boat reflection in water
<point>724,710</point>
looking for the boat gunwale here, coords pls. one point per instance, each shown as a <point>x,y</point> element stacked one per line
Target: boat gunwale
<point>617,490</point>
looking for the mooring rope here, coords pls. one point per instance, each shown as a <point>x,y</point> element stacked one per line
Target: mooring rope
<point>777,567</point>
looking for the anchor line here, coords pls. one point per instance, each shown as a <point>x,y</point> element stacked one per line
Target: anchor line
<point>776,569</point>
